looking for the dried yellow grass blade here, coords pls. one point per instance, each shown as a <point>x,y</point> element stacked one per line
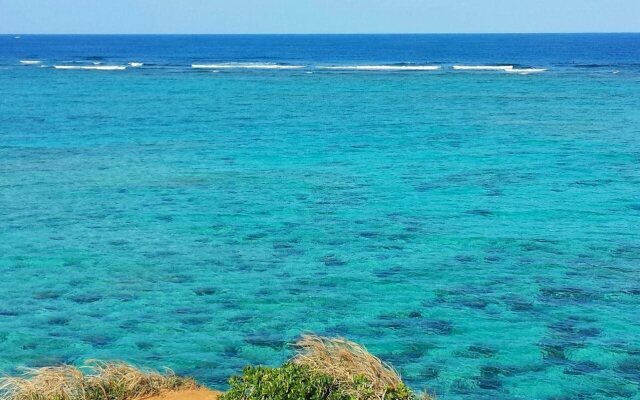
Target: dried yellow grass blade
<point>94,381</point>
<point>346,362</point>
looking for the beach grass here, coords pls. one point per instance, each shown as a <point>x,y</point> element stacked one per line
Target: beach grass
<point>95,380</point>
<point>357,372</point>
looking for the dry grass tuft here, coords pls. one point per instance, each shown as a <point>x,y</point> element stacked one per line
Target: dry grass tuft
<point>93,381</point>
<point>347,363</point>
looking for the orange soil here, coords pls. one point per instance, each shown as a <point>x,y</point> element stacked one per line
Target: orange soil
<point>196,394</point>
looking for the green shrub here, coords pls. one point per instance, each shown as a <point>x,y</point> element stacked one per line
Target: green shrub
<point>296,382</point>
<point>289,382</point>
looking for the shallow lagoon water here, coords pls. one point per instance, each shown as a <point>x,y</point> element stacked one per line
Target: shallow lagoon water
<point>477,230</point>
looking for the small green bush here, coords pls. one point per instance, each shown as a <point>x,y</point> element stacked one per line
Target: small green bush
<point>296,382</point>
<point>289,382</point>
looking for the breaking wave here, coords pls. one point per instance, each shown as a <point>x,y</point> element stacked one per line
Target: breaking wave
<point>92,67</point>
<point>246,66</point>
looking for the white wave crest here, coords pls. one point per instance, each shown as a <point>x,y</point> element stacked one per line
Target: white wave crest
<point>384,67</point>
<point>95,67</point>
<point>483,67</point>
<point>245,66</point>
<point>30,62</point>
<point>525,71</point>
<point>136,64</point>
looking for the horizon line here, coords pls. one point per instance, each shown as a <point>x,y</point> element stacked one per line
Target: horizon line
<point>316,34</point>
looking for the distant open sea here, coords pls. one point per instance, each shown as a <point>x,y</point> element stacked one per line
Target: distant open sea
<point>466,206</point>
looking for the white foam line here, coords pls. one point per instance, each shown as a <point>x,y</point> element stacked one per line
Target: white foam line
<point>525,71</point>
<point>136,64</point>
<point>96,68</point>
<point>30,62</point>
<point>483,67</point>
<point>384,67</point>
<point>245,66</point>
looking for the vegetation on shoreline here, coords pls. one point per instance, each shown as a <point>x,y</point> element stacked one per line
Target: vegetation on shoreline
<point>357,372</point>
<point>94,381</point>
<point>322,369</point>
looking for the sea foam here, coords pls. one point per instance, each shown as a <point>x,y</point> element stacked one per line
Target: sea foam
<point>136,64</point>
<point>94,67</point>
<point>524,71</point>
<point>384,67</point>
<point>30,62</point>
<point>483,67</point>
<point>245,66</point>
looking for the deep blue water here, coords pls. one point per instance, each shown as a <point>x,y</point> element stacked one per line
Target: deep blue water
<point>545,50</point>
<point>477,229</point>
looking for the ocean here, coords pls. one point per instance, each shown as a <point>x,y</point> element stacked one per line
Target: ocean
<point>466,206</point>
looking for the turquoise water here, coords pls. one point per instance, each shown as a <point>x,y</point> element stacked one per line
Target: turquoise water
<point>477,230</point>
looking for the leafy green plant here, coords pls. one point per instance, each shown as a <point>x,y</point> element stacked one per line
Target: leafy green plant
<point>289,382</point>
<point>298,382</point>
